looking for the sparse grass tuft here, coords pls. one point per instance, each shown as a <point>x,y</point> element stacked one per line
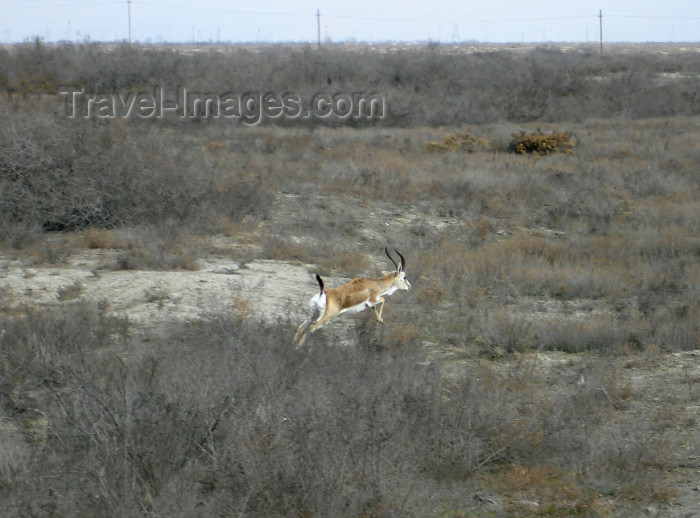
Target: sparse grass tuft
<point>162,247</point>
<point>71,292</point>
<point>457,142</point>
<point>101,238</point>
<point>330,257</point>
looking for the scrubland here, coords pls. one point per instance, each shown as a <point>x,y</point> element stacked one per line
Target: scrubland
<point>544,363</point>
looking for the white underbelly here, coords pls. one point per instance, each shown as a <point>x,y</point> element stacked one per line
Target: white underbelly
<point>357,307</point>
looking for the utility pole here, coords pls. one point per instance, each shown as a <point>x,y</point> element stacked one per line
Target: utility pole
<point>128,3</point>
<point>455,34</point>
<point>600,15</point>
<point>318,26</point>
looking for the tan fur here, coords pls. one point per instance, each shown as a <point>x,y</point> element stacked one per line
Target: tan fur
<point>349,295</point>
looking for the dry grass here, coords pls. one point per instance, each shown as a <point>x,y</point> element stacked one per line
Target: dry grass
<point>601,226</point>
<point>162,247</point>
<point>328,257</point>
<point>71,292</point>
<point>546,490</point>
<point>262,427</point>
<point>457,142</point>
<point>593,251</point>
<point>101,238</point>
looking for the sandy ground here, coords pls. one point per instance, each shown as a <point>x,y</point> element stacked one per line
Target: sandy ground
<point>146,297</point>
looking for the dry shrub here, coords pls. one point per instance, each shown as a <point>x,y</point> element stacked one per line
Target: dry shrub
<point>214,146</point>
<point>444,271</point>
<point>428,86</point>
<point>380,175</point>
<point>677,209</point>
<point>594,332</point>
<point>225,415</point>
<point>346,261</point>
<point>457,142</point>
<point>505,330</point>
<point>394,162</point>
<point>80,173</point>
<point>530,244</point>
<point>242,308</point>
<point>52,250</point>
<point>541,143</point>
<point>430,292</point>
<point>36,84</point>
<point>398,332</point>
<point>482,227</point>
<point>157,256</point>
<point>162,247</point>
<point>666,243</point>
<point>281,249</point>
<point>547,490</point>
<point>19,235</point>
<point>101,238</point>
<point>676,328</point>
<point>330,257</point>
<point>246,230</point>
<point>71,291</point>
<point>298,144</point>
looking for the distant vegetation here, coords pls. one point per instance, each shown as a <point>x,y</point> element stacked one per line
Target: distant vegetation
<point>430,85</point>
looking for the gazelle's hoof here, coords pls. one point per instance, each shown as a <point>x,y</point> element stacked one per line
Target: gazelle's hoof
<point>380,321</point>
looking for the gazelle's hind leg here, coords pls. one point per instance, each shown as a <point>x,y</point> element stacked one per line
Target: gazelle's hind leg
<point>303,330</point>
<point>314,327</point>
<point>325,318</point>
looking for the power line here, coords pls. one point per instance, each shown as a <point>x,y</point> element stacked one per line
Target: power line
<point>31,5</point>
<point>646,17</point>
<point>200,7</point>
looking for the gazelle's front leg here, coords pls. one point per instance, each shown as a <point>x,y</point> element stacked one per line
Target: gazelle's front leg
<point>378,313</point>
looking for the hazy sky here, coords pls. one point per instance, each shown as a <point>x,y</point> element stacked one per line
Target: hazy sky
<point>350,20</point>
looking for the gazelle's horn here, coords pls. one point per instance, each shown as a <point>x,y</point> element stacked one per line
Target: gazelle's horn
<point>386,251</point>
<point>403,261</point>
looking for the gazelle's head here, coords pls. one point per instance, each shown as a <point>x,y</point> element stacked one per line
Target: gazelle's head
<point>400,280</point>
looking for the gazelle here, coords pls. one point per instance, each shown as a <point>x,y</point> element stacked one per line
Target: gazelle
<point>353,297</point>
